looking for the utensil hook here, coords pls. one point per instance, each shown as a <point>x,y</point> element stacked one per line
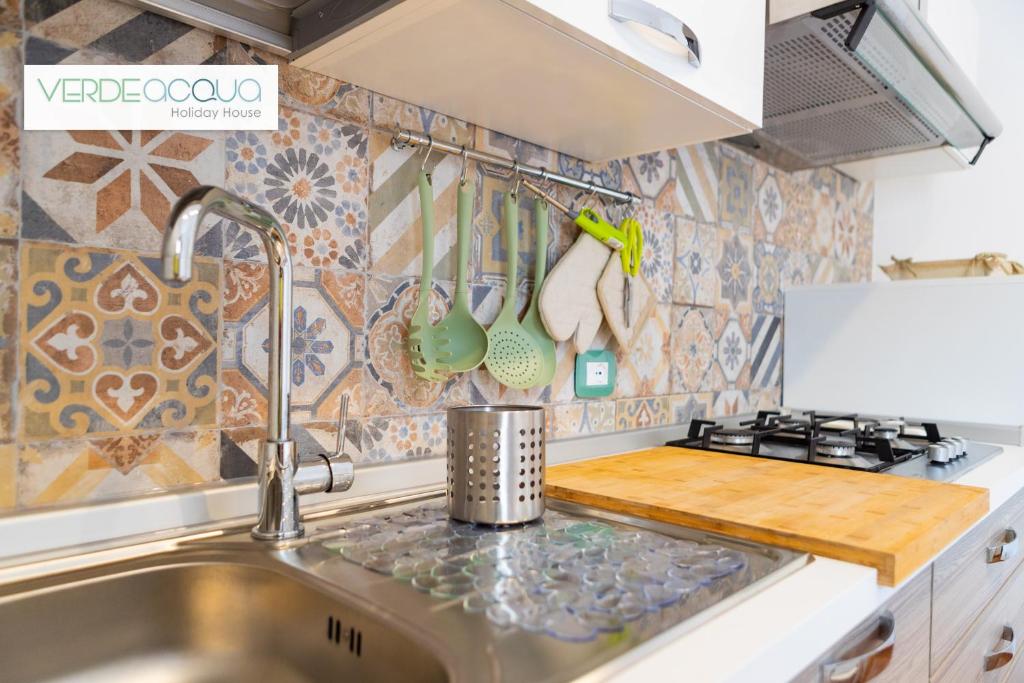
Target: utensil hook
<point>516,179</point>
<point>465,166</point>
<point>430,148</point>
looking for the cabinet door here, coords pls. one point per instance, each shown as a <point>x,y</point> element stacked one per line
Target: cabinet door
<point>889,647</point>
<point>986,653</point>
<point>968,575</point>
<point>730,76</point>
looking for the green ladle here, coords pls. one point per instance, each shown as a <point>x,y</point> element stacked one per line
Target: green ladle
<point>513,356</point>
<point>531,321</point>
<point>423,343</point>
<point>462,342</point>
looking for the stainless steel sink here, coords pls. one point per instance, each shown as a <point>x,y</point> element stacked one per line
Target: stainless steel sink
<point>223,608</point>
<point>201,620</point>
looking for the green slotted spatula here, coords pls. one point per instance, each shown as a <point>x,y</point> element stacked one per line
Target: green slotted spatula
<point>423,342</point>
<point>462,342</point>
<point>531,321</point>
<point>513,356</point>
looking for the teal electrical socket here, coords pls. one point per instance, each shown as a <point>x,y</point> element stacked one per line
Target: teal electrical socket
<point>595,374</point>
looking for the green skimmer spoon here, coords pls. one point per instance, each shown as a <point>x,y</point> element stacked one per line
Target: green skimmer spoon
<point>531,321</point>
<point>513,356</point>
<point>462,342</point>
<point>423,343</point>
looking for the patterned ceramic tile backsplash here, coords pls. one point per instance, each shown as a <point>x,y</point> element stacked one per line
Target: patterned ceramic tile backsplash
<point>114,382</point>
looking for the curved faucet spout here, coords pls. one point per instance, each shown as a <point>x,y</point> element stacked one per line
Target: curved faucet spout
<point>178,250</point>
<point>280,477</point>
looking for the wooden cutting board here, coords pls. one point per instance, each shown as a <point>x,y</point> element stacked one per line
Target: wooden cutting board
<point>894,524</point>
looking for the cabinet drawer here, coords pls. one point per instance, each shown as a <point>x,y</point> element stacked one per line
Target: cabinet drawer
<point>730,76</point>
<point>966,578</point>
<point>973,657</point>
<point>906,661</point>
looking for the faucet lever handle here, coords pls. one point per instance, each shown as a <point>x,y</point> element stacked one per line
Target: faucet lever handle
<point>342,421</point>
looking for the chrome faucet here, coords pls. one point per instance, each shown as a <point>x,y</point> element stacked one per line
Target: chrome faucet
<point>281,477</point>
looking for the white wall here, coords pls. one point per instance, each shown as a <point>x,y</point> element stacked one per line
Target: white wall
<point>956,215</point>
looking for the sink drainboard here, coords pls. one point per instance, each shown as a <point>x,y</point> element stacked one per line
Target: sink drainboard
<point>568,577</point>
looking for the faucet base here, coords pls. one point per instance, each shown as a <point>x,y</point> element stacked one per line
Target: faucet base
<point>278,505</point>
<point>277,535</point>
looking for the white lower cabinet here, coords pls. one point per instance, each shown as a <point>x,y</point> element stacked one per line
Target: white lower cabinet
<point>958,621</point>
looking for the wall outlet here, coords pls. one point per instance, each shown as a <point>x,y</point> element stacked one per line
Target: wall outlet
<point>595,374</point>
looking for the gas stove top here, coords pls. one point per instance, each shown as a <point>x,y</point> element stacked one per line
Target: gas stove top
<point>850,441</point>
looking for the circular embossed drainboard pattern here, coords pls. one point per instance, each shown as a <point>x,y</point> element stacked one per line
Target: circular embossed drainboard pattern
<point>568,578</point>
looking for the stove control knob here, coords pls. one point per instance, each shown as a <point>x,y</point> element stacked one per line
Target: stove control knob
<point>963,444</point>
<point>955,449</point>
<point>938,452</point>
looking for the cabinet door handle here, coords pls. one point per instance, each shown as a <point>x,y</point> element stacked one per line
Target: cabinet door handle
<point>866,666</point>
<point>1004,550</point>
<point>1003,654</point>
<point>652,16</point>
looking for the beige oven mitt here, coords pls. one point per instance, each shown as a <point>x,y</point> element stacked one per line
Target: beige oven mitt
<point>568,300</point>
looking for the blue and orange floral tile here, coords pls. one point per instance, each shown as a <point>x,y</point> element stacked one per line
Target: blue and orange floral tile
<point>658,260</point>
<point>695,333</point>
<point>312,174</point>
<point>642,413</point>
<point>107,346</point>
<point>736,273</point>
<point>652,172</point>
<point>698,250</point>
<point>644,370</point>
<point>390,387</point>
<point>732,352</point>
<point>770,262</point>
<point>582,418</point>
<point>735,189</point>
<point>327,343</point>
<point>403,437</point>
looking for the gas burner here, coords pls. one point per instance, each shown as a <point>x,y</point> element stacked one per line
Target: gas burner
<point>836,449</point>
<point>885,431</point>
<point>732,437</point>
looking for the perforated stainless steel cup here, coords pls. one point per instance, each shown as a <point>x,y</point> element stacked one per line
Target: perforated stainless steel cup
<point>496,464</point>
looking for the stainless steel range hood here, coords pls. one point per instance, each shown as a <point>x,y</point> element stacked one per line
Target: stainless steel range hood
<point>863,79</point>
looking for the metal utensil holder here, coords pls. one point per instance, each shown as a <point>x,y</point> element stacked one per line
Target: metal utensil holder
<point>496,464</point>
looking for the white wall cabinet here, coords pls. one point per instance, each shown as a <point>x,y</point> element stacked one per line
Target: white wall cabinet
<point>563,73</point>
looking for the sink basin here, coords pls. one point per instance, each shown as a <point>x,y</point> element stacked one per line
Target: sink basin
<point>204,621</point>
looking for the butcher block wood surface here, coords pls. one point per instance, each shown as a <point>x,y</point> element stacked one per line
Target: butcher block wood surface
<point>895,524</point>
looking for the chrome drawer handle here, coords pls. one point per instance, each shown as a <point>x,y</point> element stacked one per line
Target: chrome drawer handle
<point>1001,656</point>
<point>1005,550</point>
<point>652,16</point>
<point>868,665</point>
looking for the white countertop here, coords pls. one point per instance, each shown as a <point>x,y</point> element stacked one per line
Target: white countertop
<point>777,633</point>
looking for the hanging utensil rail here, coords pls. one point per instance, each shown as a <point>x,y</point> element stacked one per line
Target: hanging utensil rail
<point>403,138</point>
